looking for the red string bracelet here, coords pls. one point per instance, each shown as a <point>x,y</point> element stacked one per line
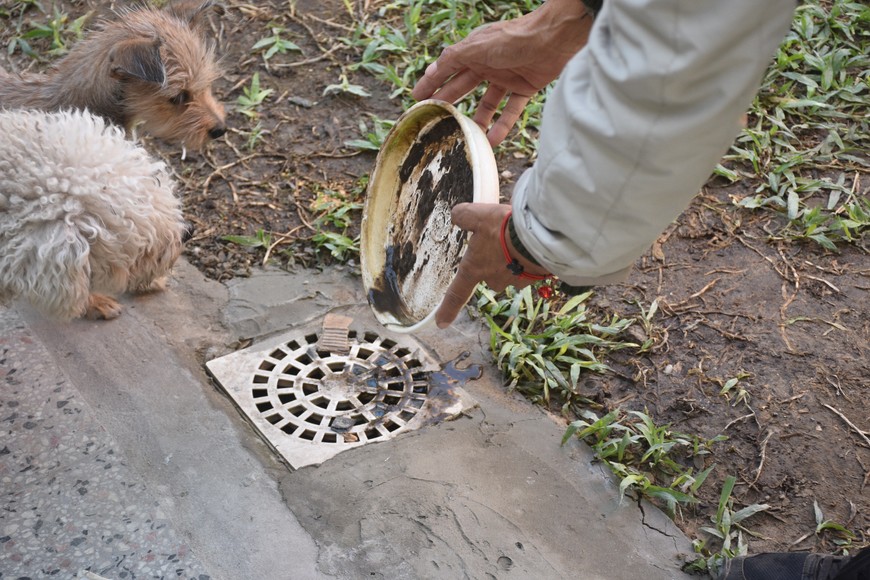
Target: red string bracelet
<point>512,263</point>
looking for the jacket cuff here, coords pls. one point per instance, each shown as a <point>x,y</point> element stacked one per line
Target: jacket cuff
<point>518,244</point>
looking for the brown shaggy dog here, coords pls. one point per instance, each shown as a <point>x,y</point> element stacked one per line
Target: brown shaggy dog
<point>148,68</point>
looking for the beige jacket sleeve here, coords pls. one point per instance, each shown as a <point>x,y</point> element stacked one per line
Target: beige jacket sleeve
<point>636,124</point>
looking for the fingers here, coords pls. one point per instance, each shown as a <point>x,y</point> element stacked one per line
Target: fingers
<point>433,78</point>
<point>488,105</point>
<point>454,89</point>
<point>483,260</point>
<point>467,217</point>
<point>451,83</point>
<point>508,118</point>
<point>458,294</point>
<point>458,86</point>
<point>437,75</point>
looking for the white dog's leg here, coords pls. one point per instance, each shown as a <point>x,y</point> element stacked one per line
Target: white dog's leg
<point>52,270</point>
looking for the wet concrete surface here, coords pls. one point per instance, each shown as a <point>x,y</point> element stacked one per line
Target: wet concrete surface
<point>121,458</point>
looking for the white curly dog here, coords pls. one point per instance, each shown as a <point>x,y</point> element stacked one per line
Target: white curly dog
<point>84,214</point>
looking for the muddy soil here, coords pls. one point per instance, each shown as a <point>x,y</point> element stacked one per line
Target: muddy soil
<point>792,320</point>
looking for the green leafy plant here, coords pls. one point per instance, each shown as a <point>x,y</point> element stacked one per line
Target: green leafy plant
<point>254,136</point>
<point>261,239</point>
<point>345,86</point>
<point>842,536</point>
<point>340,246</point>
<point>728,531</point>
<point>252,97</point>
<point>543,346</point>
<point>274,44</point>
<point>59,30</point>
<point>645,455</point>
<point>807,144</point>
<point>733,388</point>
<point>333,222</point>
<point>374,137</point>
<point>646,320</point>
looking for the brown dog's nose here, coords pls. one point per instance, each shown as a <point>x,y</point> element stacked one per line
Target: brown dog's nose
<point>217,131</point>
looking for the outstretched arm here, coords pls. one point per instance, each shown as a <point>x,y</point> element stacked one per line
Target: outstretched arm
<point>632,130</point>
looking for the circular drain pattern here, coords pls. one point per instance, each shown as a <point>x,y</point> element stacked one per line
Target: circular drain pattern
<point>371,392</point>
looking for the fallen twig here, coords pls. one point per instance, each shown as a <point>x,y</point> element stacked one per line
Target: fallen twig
<point>737,420</point>
<point>790,399</point>
<point>695,295</point>
<point>281,239</point>
<point>801,539</point>
<point>850,424</point>
<point>763,456</point>
<point>825,282</point>
<point>725,333</point>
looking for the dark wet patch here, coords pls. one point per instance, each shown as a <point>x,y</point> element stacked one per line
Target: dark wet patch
<point>443,385</point>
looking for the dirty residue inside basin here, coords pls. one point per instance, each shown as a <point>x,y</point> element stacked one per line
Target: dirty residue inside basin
<point>423,247</point>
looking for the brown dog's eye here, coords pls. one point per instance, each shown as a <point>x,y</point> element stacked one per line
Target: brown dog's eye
<point>181,98</point>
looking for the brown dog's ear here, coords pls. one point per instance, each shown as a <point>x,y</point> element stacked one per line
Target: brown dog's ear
<point>193,12</point>
<point>138,59</point>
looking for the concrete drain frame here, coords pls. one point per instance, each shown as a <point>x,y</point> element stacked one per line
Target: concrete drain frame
<point>311,400</point>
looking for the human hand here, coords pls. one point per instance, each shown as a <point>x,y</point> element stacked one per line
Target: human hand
<point>484,259</point>
<point>517,58</point>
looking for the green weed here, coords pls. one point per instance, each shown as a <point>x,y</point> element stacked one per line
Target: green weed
<point>334,219</point>
<point>646,320</point>
<point>807,146</point>
<point>253,96</point>
<point>254,136</point>
<point>60,31</point>
<point>649,459</point>
<point>727,532</point>
<point>274,44</point>
<point>372,138</point>
<point>543,346</point>
<point>261,239</point>
<point>345,86</point>
<point>841,536</point>
<point>733,388</point>
<point>340,246</point>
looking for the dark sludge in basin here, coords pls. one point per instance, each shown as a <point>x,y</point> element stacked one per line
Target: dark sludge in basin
<point>423,248</point>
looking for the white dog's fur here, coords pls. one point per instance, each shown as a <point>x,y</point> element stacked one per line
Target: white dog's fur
<point>83,212</point>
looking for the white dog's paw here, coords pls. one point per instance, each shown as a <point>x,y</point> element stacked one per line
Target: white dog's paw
<point>102,307</point>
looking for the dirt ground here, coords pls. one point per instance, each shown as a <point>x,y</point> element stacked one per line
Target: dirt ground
<point>792,320</point>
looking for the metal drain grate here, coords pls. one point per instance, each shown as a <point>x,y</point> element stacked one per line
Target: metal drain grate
<point>311,402</point>
<point>374,390</point>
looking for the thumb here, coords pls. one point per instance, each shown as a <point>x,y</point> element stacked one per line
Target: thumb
<point>471,216</point>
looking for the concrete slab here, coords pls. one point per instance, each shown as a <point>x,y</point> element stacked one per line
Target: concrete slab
<point>489,495</point>
<point>70,501</point>
<point>180,440</point>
